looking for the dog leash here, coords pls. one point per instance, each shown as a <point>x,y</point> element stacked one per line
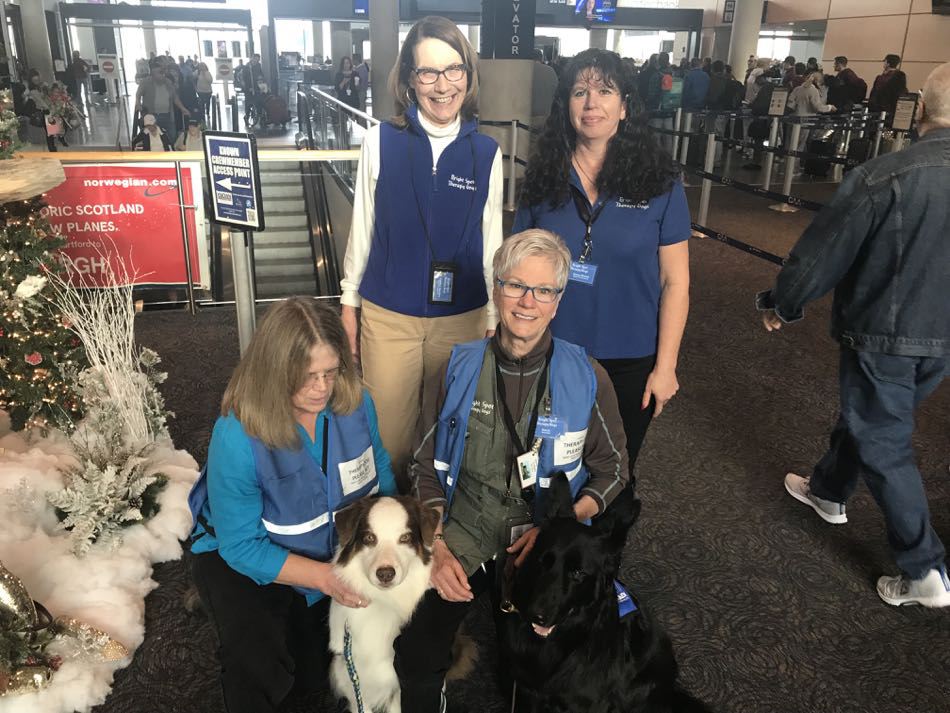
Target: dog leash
<point>351,667</point>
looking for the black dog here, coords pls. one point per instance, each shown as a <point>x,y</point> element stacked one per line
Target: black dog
<point>569,648</point>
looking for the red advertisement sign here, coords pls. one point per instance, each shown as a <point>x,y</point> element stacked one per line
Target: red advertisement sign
<point>129,214</point>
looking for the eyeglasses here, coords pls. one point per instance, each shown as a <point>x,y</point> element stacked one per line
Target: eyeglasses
<point>315,377</point>
<point>517,290</point>
<point>430,75</point>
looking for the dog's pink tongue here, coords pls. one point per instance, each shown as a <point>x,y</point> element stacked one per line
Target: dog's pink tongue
<point>542,630</point>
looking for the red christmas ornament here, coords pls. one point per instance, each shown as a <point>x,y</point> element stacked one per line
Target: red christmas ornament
<point>34,358</point>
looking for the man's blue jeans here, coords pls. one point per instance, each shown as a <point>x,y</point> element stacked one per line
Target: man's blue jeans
<point>879,395</point>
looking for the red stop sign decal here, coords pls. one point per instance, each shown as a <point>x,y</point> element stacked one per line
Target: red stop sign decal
<point>224,70</point>
<point>108,67</point>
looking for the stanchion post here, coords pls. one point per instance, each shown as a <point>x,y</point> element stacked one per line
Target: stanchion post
<point>727,149</point>
<point>839,168</point>
<point>512,163</point>
<point>190,287</point>
<point>707,184</point>
<point>770,156</point>
<point>684,144</point>
<point>677,122</point>
<point>790,163</point>
<point>879,131</point>
<point>899,140</point>
<point>243,288</point>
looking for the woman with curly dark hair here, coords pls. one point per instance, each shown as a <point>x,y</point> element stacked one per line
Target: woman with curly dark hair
<point>599,180</point>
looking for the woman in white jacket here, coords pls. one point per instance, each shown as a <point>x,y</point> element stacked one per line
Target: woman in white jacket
<point>805,100</point>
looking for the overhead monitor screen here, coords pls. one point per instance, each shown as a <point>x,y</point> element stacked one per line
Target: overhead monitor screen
<point>590,11</point>
<point>361,8</point>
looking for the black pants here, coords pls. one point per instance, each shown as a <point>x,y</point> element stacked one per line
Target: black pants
<point>424,649</point>
<point>629,377</point>
<point>270,641</point>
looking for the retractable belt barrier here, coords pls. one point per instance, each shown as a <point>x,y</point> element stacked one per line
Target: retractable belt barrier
<point>782,151</point>
<point>738,244</point>
<point>755,190</point>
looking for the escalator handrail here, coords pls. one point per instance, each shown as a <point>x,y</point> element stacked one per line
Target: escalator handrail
<point>323,96</point>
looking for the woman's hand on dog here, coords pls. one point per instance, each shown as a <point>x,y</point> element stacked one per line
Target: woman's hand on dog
<point>523,545</point>
<point>329,582</point>
<point>448,577</point>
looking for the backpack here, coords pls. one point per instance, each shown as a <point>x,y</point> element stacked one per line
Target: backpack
<point>858,90</point>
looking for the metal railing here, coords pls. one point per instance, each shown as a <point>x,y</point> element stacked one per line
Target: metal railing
<point>324,122</point>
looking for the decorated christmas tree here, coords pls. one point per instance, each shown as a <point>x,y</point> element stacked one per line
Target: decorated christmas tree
<point>37,351</point>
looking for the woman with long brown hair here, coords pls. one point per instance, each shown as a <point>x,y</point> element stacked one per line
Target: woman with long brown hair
<point>297,440</point>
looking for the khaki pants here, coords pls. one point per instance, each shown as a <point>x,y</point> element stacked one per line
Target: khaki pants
<point>400,357</point>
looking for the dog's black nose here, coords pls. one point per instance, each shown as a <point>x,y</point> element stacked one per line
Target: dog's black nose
<point>386,574</point>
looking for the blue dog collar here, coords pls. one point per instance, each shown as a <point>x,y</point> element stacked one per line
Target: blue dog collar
<point>625,603</point>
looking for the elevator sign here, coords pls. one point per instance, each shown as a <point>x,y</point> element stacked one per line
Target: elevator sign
<point>234,178</point>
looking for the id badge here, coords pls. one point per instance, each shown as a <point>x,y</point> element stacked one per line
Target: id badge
<point>442,283</point>
<point>582,272</point>
<point>549,427</point>
<point>515,527</point>
<point>527,469</point>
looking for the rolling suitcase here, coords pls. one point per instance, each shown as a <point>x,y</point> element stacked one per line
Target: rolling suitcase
<point>859,151</point>
<point>816,166</point>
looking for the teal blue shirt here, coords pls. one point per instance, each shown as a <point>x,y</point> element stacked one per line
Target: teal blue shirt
<point>235,502</point>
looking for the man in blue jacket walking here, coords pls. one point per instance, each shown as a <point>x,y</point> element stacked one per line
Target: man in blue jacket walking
<point>882,245</point>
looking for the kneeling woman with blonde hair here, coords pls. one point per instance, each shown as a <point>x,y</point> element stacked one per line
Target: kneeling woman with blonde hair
<point>296,441</point>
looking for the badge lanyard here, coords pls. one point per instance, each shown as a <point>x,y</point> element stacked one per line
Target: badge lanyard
<point>583,212</point>
<point>326,436</point>
<point>509,421</point>
<point>442,273</point>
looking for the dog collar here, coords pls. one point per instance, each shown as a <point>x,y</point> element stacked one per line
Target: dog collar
<point>625,603</point>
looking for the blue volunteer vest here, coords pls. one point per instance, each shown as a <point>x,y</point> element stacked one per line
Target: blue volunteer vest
<point>573,389</point>
<point>299,500</point>
<point>450,200</point>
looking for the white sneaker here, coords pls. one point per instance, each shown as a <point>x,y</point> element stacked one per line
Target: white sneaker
<point>829,511</point>
<point>933,590</point>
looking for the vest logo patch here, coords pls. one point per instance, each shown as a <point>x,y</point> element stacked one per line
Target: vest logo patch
<point>461,183</point>
<point>483,408</point>
<point>356,473</point>
<point>624,203</point>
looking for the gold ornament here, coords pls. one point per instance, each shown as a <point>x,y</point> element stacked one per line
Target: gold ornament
<point>16,605</point>
<point>27,679</point>
<point>93,642</point>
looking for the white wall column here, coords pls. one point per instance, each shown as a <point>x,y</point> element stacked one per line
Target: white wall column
<point>318,40</point>
<point>36,38</point>
<point>341,42</point>
<point>745,34</point>
<point>598,38</point>
<point>384,39</point>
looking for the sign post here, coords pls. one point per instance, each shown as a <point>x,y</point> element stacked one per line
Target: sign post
<point>224,71</point>
<point>904,115</point>
<point>109,71</point>
<point>235,190</point>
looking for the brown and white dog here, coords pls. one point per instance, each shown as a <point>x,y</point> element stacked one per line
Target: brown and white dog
<point>385,554</point>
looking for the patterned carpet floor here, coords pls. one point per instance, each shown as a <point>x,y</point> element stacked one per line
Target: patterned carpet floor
<point>769,608</point>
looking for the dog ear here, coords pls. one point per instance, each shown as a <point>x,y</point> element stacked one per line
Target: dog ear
<point>428,522</point>
<point>615,522</point>
<point>558,502</point>
<point>347,520</point>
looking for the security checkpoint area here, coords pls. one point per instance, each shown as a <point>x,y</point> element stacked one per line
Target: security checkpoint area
<point>175,172</point>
